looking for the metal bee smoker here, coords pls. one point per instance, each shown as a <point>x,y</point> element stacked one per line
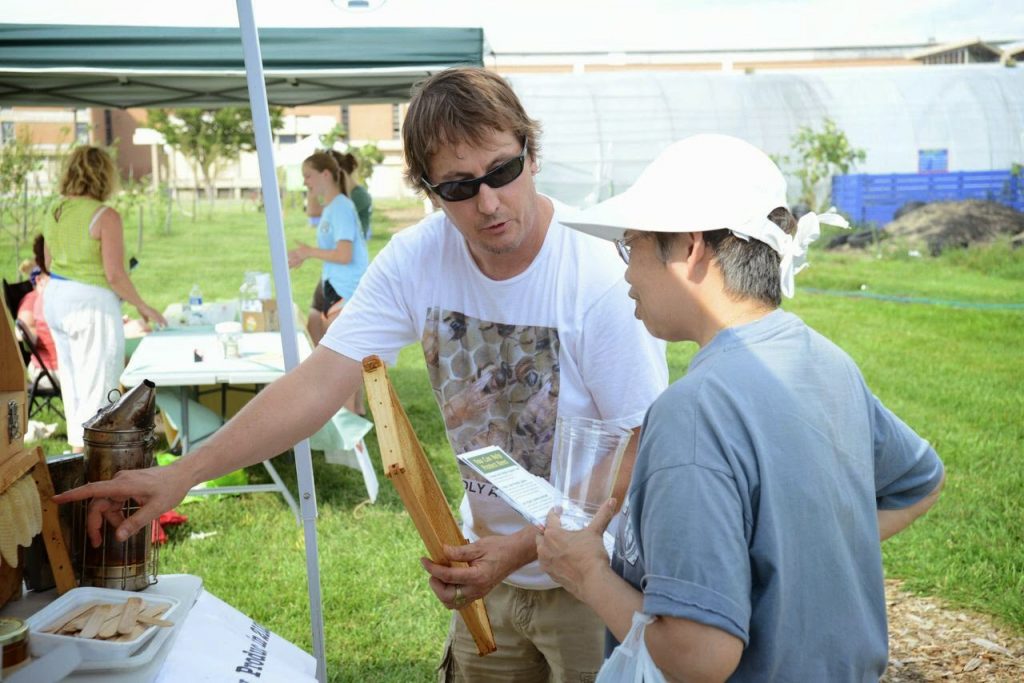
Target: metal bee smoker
<point>120,437</point>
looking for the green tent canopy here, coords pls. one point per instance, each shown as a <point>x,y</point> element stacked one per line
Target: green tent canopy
<point>154,66</point>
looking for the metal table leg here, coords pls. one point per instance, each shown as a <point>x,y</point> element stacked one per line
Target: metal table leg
<point>183,437</point>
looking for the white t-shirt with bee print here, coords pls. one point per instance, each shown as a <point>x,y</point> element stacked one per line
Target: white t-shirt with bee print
<point>505,357</point>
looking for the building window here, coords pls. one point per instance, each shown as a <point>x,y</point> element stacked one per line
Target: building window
<point>396,120</point>
<point>346,132</point>
<point>287,139</point>
<point>108,125</point>
<point>81,133</point>
<point>6,132</point>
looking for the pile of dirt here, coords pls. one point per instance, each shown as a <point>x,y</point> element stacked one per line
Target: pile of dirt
<point>950,225</point>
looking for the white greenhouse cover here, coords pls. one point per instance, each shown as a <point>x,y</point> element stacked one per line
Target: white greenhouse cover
<point>601,129</point>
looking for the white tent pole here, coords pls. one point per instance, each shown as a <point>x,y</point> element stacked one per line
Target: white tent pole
<point>279,260</point>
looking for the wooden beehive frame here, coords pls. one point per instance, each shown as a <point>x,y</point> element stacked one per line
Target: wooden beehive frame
<point>408,469</point>
<point>16,462</point>
<point>34,460</point>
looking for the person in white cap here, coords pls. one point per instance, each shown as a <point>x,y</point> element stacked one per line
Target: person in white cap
<point>767,476</point>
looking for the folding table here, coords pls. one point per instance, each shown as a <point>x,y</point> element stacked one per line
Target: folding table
<point>191,357</point>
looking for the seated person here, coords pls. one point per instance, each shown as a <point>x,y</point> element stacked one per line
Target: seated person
<point>30,310</point>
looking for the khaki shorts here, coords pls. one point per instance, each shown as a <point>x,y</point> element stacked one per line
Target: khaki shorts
<point>542,636</point>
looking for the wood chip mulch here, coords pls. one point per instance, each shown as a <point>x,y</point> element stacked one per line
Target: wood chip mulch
<point>929,641</point>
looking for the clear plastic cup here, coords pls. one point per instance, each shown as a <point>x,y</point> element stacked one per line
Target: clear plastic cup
<point>230,335</point>
<point>585,460</point>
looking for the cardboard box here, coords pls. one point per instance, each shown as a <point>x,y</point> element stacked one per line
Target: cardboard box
<point>263,320</point>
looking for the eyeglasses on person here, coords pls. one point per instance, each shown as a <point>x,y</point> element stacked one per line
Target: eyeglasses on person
<point>499,176</point>
<point>625,246</point>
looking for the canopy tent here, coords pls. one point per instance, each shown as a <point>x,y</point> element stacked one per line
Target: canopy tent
<point>131,66</point>
<point>160,66</point>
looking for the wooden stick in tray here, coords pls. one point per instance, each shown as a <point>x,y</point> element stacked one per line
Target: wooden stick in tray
<point>109,628</point>
<point>111,621</point>
<point>153,621</point>
<point>129,615</point>
<point>69,618</point>
<point>410,472</point>
<point>95,621</point>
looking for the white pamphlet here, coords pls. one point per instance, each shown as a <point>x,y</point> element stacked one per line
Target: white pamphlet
<point>529,495</point>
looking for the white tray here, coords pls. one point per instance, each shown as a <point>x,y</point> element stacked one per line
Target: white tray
<point>95,652</point>
<point>149,660</point>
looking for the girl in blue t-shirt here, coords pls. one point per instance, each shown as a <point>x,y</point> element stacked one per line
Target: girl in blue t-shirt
<point>340,245</point>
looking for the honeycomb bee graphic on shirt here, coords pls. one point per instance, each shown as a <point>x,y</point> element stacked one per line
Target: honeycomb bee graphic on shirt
<point>496,383</point>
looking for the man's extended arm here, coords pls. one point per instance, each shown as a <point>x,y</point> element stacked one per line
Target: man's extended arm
<point>284,413</point>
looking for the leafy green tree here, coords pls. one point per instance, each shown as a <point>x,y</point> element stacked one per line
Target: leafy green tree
<point>336,134</point>
<point>820,154</point>
<point>18,158</point>
<point>210,137</point>
<point>367,155</point>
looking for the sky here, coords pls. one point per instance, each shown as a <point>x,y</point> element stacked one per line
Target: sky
<point>588,25</point>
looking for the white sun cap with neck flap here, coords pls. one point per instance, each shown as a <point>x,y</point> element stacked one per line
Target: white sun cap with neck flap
<point>709,182</point>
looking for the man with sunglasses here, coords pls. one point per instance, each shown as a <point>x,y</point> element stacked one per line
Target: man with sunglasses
<point>519,318</point>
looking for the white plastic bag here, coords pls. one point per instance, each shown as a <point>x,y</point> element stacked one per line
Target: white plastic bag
<point>630,662</point>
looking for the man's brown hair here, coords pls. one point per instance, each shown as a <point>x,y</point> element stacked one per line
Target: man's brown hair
<point>461,105</point>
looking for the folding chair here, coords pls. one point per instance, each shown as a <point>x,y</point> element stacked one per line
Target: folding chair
<point>42,385</point>
<point>202,422</point>
<point>13,294</point>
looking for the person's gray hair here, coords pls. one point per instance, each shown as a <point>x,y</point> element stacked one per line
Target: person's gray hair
<point>750,268</point>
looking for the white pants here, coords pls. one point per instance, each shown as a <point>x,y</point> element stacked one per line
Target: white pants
<point>86,324</point>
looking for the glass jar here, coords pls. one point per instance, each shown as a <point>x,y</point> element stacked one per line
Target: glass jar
<point>13,643</point>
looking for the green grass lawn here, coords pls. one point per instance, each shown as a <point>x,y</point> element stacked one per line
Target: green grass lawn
<point>952,373</point>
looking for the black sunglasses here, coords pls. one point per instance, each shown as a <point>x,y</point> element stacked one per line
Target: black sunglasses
<point>500,176</point>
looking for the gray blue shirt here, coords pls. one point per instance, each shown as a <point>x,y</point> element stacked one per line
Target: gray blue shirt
<point>753,503</point>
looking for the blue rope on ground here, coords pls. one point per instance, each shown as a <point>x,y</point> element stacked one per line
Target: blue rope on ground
<point>912,299</point>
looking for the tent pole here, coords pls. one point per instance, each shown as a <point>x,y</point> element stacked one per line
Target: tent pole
<point>282,282</point>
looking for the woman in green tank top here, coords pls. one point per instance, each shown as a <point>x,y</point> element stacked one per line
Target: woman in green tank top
<point>86,258</point>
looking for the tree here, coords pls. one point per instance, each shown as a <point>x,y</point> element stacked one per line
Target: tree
<point>210,137</point>
<point>18,159</point>
<point>336,134</point>
<point>819,156</point>
<point>368,155</point>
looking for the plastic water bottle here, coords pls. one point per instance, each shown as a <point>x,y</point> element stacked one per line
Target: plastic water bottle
<point>195,305</point>
<point>247,294</point>
<point>249,305</point>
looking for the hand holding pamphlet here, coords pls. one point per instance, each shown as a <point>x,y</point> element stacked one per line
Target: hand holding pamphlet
<point>529,495</point>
